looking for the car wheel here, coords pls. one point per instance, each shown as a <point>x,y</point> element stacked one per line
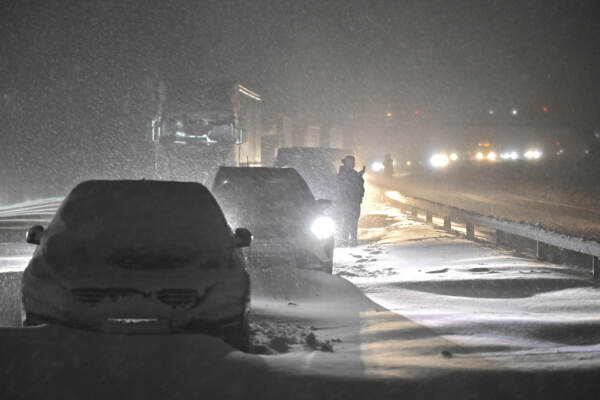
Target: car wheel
<point>328,266</point>
<point>29,320</point>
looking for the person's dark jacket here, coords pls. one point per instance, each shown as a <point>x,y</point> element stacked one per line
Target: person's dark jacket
<point>350,186</point>
<point>388,167</point>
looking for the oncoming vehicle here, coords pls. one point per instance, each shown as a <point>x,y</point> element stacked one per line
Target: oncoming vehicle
<point>288,224</point>
<point>139,257</point>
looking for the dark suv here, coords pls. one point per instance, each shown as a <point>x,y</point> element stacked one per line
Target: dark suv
<point>288,224</point>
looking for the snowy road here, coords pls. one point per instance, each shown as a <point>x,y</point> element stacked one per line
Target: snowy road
<point>461,318</point>
<point>564,211</point>
<point>524,312</point>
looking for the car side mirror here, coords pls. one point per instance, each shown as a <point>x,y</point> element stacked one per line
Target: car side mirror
<point>243,237</point>
<point>323,204</point>
<point>34,234</point>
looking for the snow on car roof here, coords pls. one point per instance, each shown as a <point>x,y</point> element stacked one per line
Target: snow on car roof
<point>137,196</point>
<point>168,221</point>
<point>261,176</point>
<point>255,197</point>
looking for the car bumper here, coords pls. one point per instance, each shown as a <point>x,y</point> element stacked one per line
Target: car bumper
<point>132,311</point>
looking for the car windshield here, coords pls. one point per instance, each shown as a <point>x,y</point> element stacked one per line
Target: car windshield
<point>273,201</point>
<point>138,225</point>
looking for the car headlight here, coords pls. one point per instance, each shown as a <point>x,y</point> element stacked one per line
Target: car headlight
<point>532,154</point>
<point>322,227</point>
<point>377,166</point>
<point>439,160</point>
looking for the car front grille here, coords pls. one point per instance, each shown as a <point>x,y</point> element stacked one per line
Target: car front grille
<point>178,298</point>
<point>93,296</point>
<point>175,298</point>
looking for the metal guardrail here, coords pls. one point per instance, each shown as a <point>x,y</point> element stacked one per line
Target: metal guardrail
<point>16,219</point>
<point>37,207</point>
<point>471,219</point>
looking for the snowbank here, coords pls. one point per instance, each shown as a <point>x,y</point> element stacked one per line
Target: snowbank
<point>374,354</point>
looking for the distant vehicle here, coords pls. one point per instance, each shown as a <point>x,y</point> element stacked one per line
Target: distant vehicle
<point>199,127</point>
<point>318,166</point>
<point>383,166</point>
<point>288,224</point>
<point>139,257</point>
<point>315,165</point>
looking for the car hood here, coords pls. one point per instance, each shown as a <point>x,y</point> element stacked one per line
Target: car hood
<point>97,275</point>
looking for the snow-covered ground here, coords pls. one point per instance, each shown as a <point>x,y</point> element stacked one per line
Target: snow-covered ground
<point>444,318</point>
<point>521,312</point>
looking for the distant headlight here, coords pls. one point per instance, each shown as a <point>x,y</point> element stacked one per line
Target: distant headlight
<point>532,154</point>
<point>322,227</point>
<point>454,156</point>
<point>439,160</point>
<point>377,166</point>
<point>492,156</point>
<point>509,155</point>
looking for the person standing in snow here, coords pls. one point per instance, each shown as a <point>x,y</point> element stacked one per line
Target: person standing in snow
<point>350,194</point>
<point>388,166</point>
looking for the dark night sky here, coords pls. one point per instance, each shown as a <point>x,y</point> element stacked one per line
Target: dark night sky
<point>78,77</point>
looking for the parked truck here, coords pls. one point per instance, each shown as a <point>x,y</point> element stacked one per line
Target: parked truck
<point>200,127</point>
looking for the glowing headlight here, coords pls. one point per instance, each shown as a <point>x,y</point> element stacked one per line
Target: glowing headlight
<point>479,156</point>
<point>454,156</point>
<point>492,156</point>
<point>322,227</point>
<point>439,160</point>
<point>532,154</point>
<point>509,155</point>
<point>377,166</point>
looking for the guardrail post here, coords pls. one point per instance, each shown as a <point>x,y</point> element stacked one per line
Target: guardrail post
<point>596,268</point>
<point>447,223</point>
<point>500,239</point>
<point>428,217</point>
<point>541,250</point>
<point>470,230</point>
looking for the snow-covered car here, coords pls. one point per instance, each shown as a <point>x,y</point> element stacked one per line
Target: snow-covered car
<point>139,257</point>
<point>315,165</point>
<point>289,226</point>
